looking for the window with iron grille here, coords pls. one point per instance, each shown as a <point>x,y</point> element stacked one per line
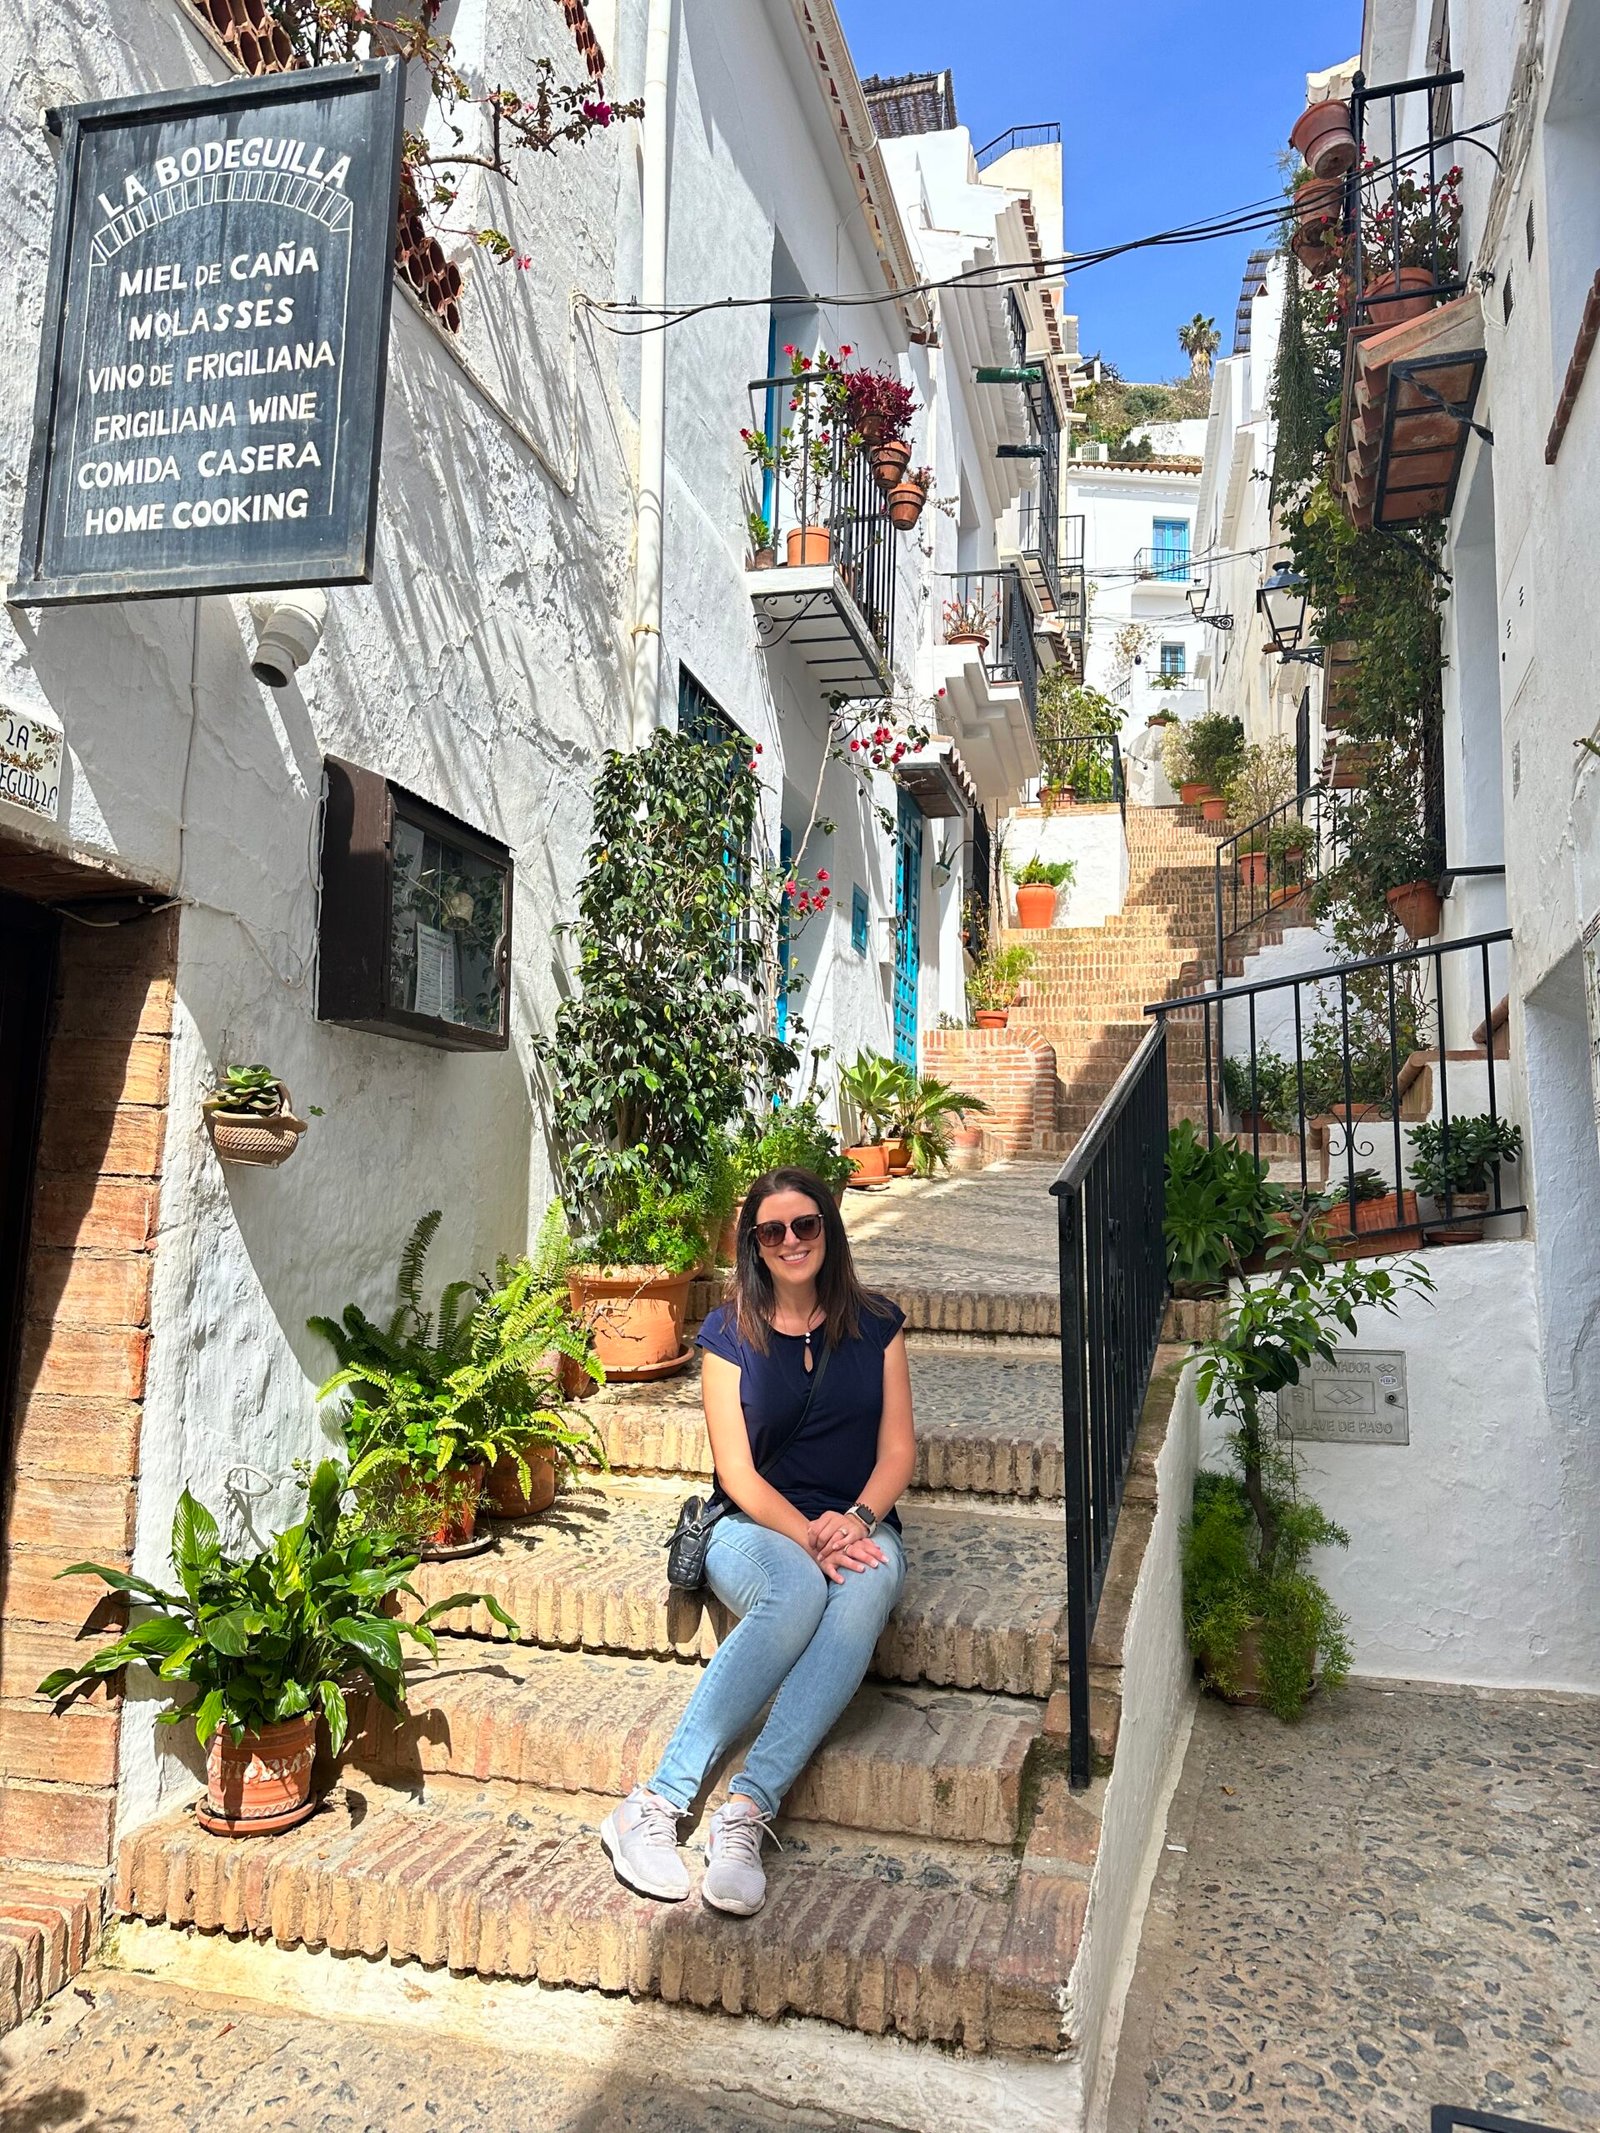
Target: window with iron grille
<point>1174,659</point>
<point>703,719</point>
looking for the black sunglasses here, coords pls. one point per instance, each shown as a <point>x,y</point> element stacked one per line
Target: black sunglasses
<point>806,1229</point>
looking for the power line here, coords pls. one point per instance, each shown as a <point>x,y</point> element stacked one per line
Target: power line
<point>1252,219</point>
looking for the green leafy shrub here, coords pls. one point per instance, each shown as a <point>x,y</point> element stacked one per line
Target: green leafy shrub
<point>1475,1146</point>
<point>1247,1546</point>
<point>997,978</point>
<point>272,1635</point>
<point>1220,1206</point>
<point>1044,873</point>
<point>790,1137</point>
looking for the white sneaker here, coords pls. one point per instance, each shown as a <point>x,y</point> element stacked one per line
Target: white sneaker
<point>735,1879</point>
<point>640,1836</point>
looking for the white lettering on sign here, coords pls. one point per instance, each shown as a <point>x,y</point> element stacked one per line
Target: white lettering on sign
<point>31,751</point>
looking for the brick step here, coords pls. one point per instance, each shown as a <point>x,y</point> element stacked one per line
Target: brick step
<point>987,1425</point>
<point>935,1763</point>
<point>981,1609</point>
<point>957,1945</point>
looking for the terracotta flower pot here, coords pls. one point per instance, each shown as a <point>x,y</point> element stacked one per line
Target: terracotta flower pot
<point>1323,135</point>
<point>1464,1223</point>
<point>1318,207</point>
<point>889,462</point>
<point>1418,907</point>
<point>869,1164</point>
<point>1051,797</point>
<point>808,544</point>
<point>1213,808</point>
<point>764,559</point>
<point>1313,251</point>
<point>1247,1672</point>
<point>872,428</point>
<point>728,1235</point>
<point>905,503</point>
<point>1389,1211</point>
<point>636,1313</point>
<point>250,1136</point>
<point>976,637</point>
<point>1391,301</point>
<point>507,1498</point>
<point>991,1017</point>
<point>897,1156</point>
<point>260,1783</point>
<point>1036,906</point>
<point>1192,793</point>
<point>1253,869</point>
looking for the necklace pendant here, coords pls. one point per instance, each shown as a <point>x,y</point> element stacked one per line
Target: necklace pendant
<point>808,1355</point>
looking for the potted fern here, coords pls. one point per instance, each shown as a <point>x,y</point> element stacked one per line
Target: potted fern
<point>270,1642</point>
<point>441,1399</point>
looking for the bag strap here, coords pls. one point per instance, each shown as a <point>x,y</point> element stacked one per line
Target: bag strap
<point>817,1377</point>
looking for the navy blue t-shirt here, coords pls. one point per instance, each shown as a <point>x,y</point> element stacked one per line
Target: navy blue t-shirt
<point>827,1465</point>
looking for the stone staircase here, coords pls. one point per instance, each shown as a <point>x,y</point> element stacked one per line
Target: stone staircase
<point>935,1867</point>
<point>1091,984</point>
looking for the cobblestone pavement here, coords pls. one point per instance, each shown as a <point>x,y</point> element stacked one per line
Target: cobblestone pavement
<point>124,2055</point>
<point>991,1231</point>
<point>1390,1906</point>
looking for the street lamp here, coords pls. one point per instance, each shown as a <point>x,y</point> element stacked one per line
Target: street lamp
<point>1281,601</point>
<point>1197,595</point>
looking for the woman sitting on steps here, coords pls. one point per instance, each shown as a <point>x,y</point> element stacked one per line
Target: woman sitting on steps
<point>808,1558</point>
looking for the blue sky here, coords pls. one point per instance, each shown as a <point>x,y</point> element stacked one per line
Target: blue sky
<point>1170,110</point>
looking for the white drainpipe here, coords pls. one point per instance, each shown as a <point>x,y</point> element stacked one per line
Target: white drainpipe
<point>645,706</point>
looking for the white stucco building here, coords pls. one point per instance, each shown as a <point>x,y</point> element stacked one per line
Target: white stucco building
<point>562,565</point>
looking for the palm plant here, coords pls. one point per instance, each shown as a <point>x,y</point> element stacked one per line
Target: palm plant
<point>1200,341</point>
<point>925,1123</point>
<point>879,1090</point>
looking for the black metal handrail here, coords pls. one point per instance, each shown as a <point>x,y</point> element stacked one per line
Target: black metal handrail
<point>1110,1198</point>
<point>1017,137</point>
<point>1391,164</point>
<point>992,603</point>
<point>823,489</point>
<point>1259,867</point>
<point>1362,1034</point>
<point>1088,766</point>
<point>1457,2118</point>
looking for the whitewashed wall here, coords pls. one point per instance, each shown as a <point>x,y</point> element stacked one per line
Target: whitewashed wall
<point>1471,1554</point>
<point>1093,839</point>
<point>485,668</point>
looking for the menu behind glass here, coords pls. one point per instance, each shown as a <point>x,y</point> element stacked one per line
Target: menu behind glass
<point>416,917</point>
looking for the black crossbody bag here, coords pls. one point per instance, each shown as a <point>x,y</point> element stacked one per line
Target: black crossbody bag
<point>691,1537</point>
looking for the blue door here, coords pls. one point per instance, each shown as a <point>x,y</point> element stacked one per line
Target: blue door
<point>907,928</point>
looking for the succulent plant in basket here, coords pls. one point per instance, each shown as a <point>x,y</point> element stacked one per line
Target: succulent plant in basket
<point>249,1118</point>
<point>270,1642</point>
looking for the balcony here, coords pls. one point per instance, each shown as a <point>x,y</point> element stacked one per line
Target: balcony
<point>1415,354</point>
<point>987,667</point>
<point>1162,566</point>
<point>1039,508</point>
<point>1045,136</point>
<point>828,591</point>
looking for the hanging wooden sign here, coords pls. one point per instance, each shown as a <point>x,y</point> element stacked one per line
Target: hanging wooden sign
<point>211,370</point>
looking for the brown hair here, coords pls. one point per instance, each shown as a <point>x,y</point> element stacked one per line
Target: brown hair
<point>839,1290</point>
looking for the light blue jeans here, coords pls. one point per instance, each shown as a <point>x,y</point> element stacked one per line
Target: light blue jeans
<point>799,1636</point>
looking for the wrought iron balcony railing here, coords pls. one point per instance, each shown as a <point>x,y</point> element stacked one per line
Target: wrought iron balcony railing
<point>1170,565</point>
<point>1045,136</point>
<point>993,602</point>
<point>820,502</point>
<point>1402,212</point>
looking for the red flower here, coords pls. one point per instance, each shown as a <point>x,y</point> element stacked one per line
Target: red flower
<point>845,348</point>
<point>758,747</point>
<point>854,745</point>
<point>788,348</point>
<point>822,872</point>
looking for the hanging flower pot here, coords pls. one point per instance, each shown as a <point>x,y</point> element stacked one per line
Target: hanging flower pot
<point>1418,907</point>
<point>1393,299</point>
<point>262,1782</point>
<point>1318,209</point>
<point>1324,136</point>
<point>889,461</point>
<point>636,1313</point>
<point>254,1125</point>
<point>905,502</point>
<point>808,544</point>
<point>872,429</point>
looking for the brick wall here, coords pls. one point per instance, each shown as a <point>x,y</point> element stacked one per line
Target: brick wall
<point>1013,1070</point>
<point>74,1456</point>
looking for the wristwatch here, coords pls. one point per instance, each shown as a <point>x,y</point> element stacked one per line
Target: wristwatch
<point>867,1517</point>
